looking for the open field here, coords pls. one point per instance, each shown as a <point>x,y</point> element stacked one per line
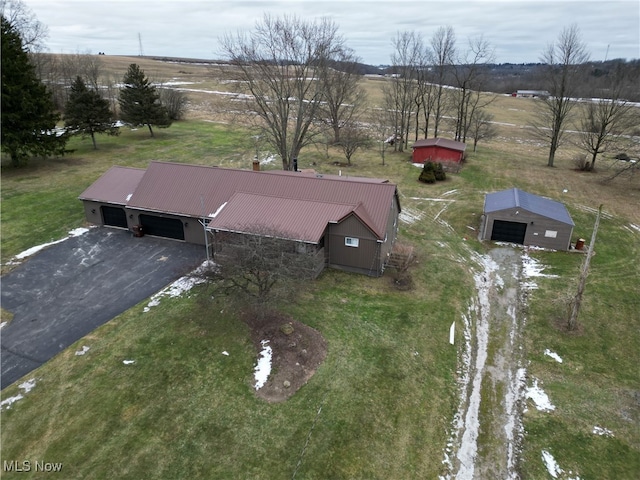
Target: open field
<point>382,403</point>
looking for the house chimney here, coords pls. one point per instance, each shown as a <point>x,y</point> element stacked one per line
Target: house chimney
<point>256,165</point>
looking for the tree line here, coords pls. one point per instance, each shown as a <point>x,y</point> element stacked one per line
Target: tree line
<point>304,85</point>
<point>35,91</point>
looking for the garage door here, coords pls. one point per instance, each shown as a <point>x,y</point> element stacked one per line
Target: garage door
<point>114,216</point>
<point>162,227</point>
<point>512,232</point>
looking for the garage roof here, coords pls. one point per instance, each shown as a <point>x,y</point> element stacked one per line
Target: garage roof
<point>516,198</point>
<point>115,186</point>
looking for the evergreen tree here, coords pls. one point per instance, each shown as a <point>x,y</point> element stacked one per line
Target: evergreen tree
<point>140,102</point>
<point>28,113</point>
<point>87,113</point>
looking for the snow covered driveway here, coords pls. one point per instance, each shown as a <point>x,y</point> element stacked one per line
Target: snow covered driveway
<point>487,429</point>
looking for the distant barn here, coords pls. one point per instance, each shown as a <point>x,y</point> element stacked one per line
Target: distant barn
<point>438,150</point>
<point>516,216</point>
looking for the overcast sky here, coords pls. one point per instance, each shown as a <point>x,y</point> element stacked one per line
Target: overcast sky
<point>519,30</point>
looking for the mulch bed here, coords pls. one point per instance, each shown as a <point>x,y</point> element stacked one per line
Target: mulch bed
<point>297,352</point>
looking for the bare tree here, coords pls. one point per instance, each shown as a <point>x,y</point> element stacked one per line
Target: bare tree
<point>563,60</point>
<point>481,127</point>
<point>574,309</point>
<point>32,32</point>
<point>400,92</point>
<point>352,139</point>
<point>443,51</point>
<point>261,266</point>
<point>605,119</point>
<point>174,100</point>
<point>344,98</point>
<point>279,63</point>
<point>425,95</point>
<point>469,75</point>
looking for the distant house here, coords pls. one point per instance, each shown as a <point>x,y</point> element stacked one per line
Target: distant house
<point>350,222</point>
<point>516,216</point>
<point>531,93</point>
<point>438,150</point>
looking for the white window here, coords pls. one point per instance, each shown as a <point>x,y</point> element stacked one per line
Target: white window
<point>551,234</point>
<point>351,241</point>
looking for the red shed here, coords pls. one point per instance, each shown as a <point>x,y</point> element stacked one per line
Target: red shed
<point>438,150</point>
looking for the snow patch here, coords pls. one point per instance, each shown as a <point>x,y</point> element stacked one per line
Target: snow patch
<point>553,355</point>
<point>180,286</point>
<point>410,216</point>
<point>269,159</point>
<point>128,362</point>
<point>33,250</point>
<point>532,268</point>
<point>263,368</point>
<point>3,324</point>
<point>225,353</point>
<point>635,227</point>
<point>26,387</point>
<point>215,214</point>
<point>553,468</point>
<point>539,397</point>
<point>83,350</point>
<point>602,431</point>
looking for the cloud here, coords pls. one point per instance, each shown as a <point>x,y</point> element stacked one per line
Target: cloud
<point>518,29</point>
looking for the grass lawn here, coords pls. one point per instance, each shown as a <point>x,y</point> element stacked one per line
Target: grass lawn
<point>382,403</point>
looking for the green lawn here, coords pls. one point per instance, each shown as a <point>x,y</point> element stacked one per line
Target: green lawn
<point>381,404</point>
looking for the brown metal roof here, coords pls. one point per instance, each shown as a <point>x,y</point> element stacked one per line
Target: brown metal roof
<point>197,191</point>
<point>313,173</point>
<point>440,142</point>
<point>114,186</point>
<point>301,220</point>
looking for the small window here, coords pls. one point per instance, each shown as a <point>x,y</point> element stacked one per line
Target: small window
<point>351,241</point>
<point>551,234</point>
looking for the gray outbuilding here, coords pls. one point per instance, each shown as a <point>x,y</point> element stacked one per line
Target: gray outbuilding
<point>516,216</point>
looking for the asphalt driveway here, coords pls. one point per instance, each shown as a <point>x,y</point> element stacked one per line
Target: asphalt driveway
<point>68,289</point>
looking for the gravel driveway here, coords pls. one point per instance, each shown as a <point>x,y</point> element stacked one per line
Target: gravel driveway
<point>68,289</point>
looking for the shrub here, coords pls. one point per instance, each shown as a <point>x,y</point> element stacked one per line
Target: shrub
<point>581,162</point>
<point>432,172</point>
<point>427,176</point>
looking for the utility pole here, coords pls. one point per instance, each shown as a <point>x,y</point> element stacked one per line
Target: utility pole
<point>577,300</point>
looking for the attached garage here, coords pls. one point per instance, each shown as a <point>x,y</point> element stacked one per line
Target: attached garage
<point>519,217</point>
<point>113,216</point>
<point>166,227</point>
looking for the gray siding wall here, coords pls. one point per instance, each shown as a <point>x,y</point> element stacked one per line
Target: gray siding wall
<point>92,212</point>
<point>365,258</point>
<point>540,229</point>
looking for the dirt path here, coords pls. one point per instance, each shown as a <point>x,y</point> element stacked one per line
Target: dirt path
<point>487,428</point>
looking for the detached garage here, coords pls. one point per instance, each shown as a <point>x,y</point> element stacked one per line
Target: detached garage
<point>515,216</point>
